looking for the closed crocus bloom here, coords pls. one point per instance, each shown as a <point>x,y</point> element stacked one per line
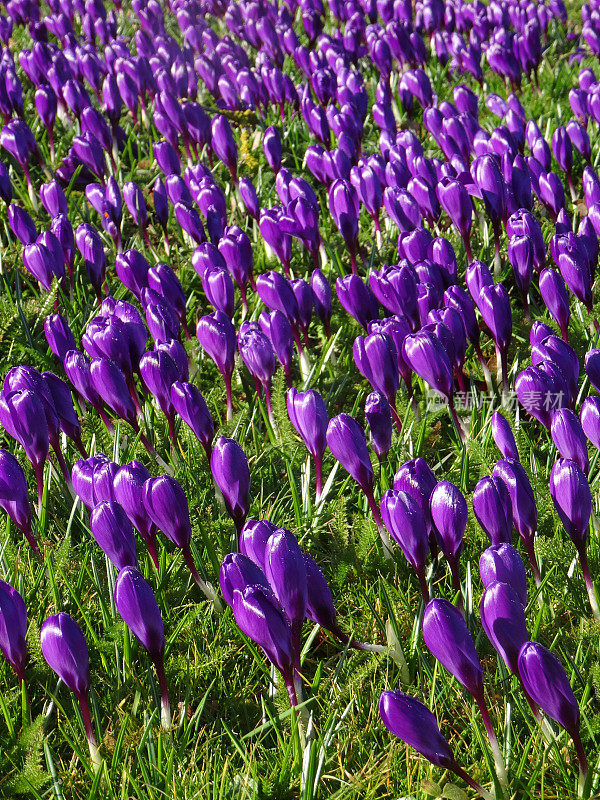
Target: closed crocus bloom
<point>21,224</point>
<point>286,572</point>
<point>257,354</point>
<point>576,274</point>
<point>523,506</point>
<point>357,299</point>
<point>113,531</point>
<point>446,635</point>
<point>503,436</point>
<point>259,615</point>
<point>406,524</point>
<point>159,372</point>
<point>136,205</point>
<point>590,420</point>
<point>272,147</point>
<point>14,498</point>
<point>569,438</point>
<point>249,197</point>
<point>456,202</point>
<point>417,478</point>
<point>13,628</point>
<point>546,682</point>
<point>191,406</point>
<point>166,504</point>
<point>53,198</point>
<point>65,650</point>
<point>59,335</point>
<point>216,335</point>
<point>592,367</point>
<point>555,297</point>
<point>494,305</point>
<point>22,416</point>
<point>128,488</point>
<point>344,207</point>
<point>223,144</point>
<point>231,472</point>
<point>110,384</point>
<point>308,414</point>
<point>376,358</point>
<point>219,291</point>
<point>414,724</point>
<point>378,415</point>
<point>521,256</point>
<point>570,492</point>
<point>426,356</point>
<point>136,603</point>
<point>503,620</point>
<point>532,387</point>
<point>449,514</point>
<point>276,327</point>
<point>503,563</point>
<point>236,573</point>
<point>492,187</point>
<point>254,536</point>
<point>493,509</point>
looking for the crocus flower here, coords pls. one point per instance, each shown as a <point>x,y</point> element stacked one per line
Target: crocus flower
<point>191,406</point>
<point>257,354</point>
<point>376,358</point>
<point>546,681</point>
<point>344,206</point>
<point>308,414</point>
<point>378,415</point>
<point>492,507</point>
<point>13,629</point>
<point>502,563</point>
<point>14,497</point>
<point>348,443</point>
<point>216,335</point>
<point>446,635</point>
<point>22,416</point>
<point>236,573</point>
<point>572,499</point>
<point>254,536</point>
<point>286,572</point>
<point>523,506</point>
<point>229,467</point>
<point>405,522</point>
<point>569,438</point>
<point>65,649</point>
<point>166,505</point>
<point>555,298</point>
<point>135,602</point>
<point>449,514</point>
<point>259,615</point>
<point>113,531</point>
<point>503,436</point>
<point>128,483</point>
<point>503,620</point>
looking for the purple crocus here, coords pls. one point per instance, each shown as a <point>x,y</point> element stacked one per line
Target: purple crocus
<point>308,414</point>
<point>13,629</point>
<point>229,467</point>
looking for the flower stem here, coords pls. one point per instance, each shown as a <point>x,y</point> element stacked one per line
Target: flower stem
<point>458,770</point>
<point>206,588</point>
<point>89,732</point>
<point>494,746</point>
<point>165,706</point>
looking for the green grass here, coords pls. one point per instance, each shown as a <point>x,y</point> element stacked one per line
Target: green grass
<point>231,737</point>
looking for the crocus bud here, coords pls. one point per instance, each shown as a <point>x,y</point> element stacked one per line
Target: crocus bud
<point>259,615</point>
<point>191,406</point>
<point>286,572</point>
<point>503,563</point>
<point>22,416</point>
<point>14,498</point>
<point>13,628</point>
<point>59,335</point>
<point>136,603</point>
<point>113,531</point>
<point>555,298</point>
<point>446,635</point>
<point>159,372</point>
<point>492,507</point>
<point>236,573</point>
<point>128,487</point>
<point>503,436</point>
<point>590,420</point>
<point>223,144</point>
<point>503,620</point>
<point>253,539</point>
<point>308,414</point>
<point>405,522</point>
<point>65,650</point>
<point>523,506</point>
<point>449,514</point>
<point>216,335</point>
<point>569,438</point>
<point>570,492</point>
<point>229,467</point>
<point>110,384</point>
<point>379,419</point>
<point>376,358</point>
<point>413,723</point>
<point>321,298</point>
<point>546,682</point>
<point>166,505</point>
<point>426,356</point>
<point>257,354</point>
